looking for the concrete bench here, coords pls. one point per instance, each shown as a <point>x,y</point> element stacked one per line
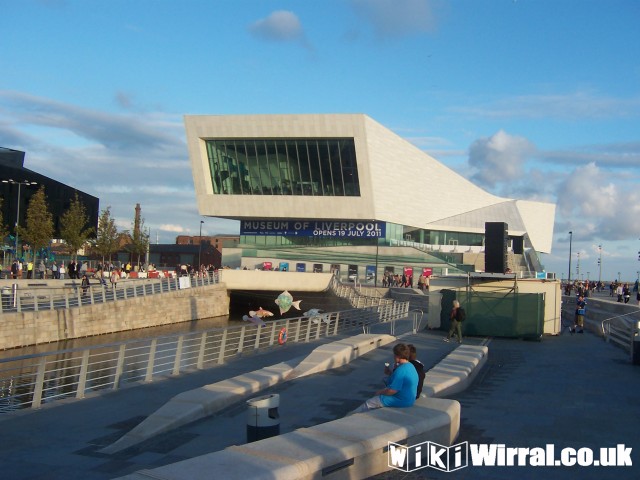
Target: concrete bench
<point>351,447</point>
<point>456,371</point>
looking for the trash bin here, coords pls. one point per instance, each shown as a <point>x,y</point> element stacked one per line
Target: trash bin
<point>263,419</point>
<point>636,345</point>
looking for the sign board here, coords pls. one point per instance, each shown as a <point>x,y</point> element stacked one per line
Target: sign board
<point>301,267</point>
<point>314,228</point>
<point>184,282</point>
<point>284,266</point>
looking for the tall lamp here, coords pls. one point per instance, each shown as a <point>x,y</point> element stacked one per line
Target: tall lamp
<point>569,274</point>
<point>26,183</point>
<point>200,246</point>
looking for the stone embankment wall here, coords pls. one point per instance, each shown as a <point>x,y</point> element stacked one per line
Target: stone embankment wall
<point>32,328</point>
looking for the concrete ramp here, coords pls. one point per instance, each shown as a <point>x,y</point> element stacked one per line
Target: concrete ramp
<point>201,402</point>
<point>337,354</point>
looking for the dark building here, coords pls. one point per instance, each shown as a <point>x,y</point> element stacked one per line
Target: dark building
<point>17,185</point>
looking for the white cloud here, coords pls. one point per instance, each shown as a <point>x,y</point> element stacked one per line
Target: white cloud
<point>280,26</point>
<point>595,206</point>
<point>397,18</point>
<point>499,158</point>
<point>578,105</point>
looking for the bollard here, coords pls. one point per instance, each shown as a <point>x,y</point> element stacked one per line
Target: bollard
<point>263,419</point>
<point>635,354</point>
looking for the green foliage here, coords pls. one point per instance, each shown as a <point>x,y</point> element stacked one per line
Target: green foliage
<point>73,226</point>
<point>107,236</point>
<point>139,239</point>
<point>39,225</point>
<point>4,231</point>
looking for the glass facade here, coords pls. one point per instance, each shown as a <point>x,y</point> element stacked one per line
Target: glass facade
<point>311,167</point>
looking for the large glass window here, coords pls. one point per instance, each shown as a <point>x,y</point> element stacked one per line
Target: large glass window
<point>301,166</point>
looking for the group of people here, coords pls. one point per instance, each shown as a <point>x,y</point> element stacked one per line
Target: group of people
<point>55,270</point>
<point>395,280</point>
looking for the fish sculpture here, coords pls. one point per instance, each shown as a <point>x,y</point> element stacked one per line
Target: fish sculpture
<point>285,302</point>
<point>261,312</point>
<point>253,319</point>
<point>312,312</point>
<point>316,317</point>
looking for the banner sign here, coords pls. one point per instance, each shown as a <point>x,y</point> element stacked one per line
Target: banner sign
<point>314,228</point>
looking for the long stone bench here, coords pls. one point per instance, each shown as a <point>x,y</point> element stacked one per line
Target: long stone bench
<point>351,447</point>
<point>201,402</point>
<point>456,371</point>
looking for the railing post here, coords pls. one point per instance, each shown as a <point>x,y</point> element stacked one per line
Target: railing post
<point>152,360</point>
<point>82,377</point>
<point>178,358</point>
<point>203,343</point>
<point>241,341</point>
<point>273,336</point>
<point>119,366</point>
<point>66,299</point>
<point>223,346</point>
<point>297,337</point>
<point>38,388</point>
<point>256,345</point>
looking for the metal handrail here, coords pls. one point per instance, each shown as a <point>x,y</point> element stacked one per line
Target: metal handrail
<point>31,380</point>
<point>620,330</point>
<point>52,298</point>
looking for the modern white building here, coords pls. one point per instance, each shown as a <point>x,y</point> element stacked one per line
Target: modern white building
<point>341,191</point>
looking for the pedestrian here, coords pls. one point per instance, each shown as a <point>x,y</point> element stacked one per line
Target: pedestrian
<point>14,270</point>
<point>400,391</point>
<point>85,284</point>
<point>54,270</point>
<point>42,270</point>
<point>581,305</point>
<point>419,366</point>
<point>62,271</point>
<point>626,294</point>
<point>457,316</point>
<point>115,276</point>
<point>619,292</point>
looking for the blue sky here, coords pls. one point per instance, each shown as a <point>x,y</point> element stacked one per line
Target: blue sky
<point>531,99</point>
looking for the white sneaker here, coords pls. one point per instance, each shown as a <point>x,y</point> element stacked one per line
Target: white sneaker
<point>446,339</point>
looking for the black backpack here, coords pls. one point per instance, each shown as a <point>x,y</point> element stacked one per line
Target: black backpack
<point>461,315</point>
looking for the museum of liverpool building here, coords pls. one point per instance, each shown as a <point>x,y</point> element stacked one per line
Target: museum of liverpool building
<point>340,192</point>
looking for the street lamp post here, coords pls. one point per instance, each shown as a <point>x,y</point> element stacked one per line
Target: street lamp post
<point>569,274</point>
<point>26,183</point>
<point>200,246</point>
<point>600,265</point>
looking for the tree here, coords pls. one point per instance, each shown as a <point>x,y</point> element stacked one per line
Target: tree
<point>107,236</point>
<point>4,231</point>
<point>139,239</point>
<point>73,226</point>
<point>39,224</point>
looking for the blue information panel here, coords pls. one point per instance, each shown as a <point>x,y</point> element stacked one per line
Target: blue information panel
<point>314,228</point>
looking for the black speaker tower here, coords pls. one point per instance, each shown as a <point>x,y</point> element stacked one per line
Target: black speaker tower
<point>495,247</point>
